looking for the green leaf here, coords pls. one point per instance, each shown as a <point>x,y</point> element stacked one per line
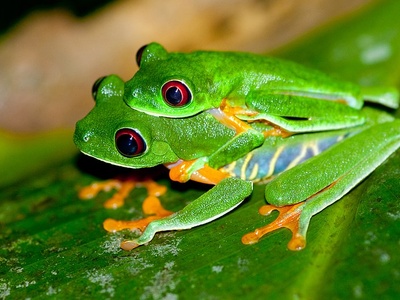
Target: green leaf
<point>54,246</point>
<point>365,48</point>
<point>22,155</point>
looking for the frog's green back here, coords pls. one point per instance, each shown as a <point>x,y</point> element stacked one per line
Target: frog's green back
<point>210,76</point>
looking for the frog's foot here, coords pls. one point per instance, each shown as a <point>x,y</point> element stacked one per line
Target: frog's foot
<point>289,217</point>
<point>123,187</point>
<point>277,131</point>
<point>151,206</point>
<point>226,115</point>
<point>196,170</point>
<point>181,170</point>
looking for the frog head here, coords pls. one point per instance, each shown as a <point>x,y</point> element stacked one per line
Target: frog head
<point>169,84</point>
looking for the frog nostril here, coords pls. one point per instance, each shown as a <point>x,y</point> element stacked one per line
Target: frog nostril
<point>86,137</point>
<point>81,136</point>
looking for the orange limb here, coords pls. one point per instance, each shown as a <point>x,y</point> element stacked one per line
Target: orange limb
<point>151,206</point>
<point>289,216</point>
<point>182,172</point>
<point>236,110</point>
<point>226,114</point>
<point>208,175</point>
<point>123,187</point>
<point>277,131</point>
<point>128,245</point>
<point>233,122</point>
<point>117,200</point>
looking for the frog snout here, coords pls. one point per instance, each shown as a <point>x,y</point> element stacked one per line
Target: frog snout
<point>81,136</point>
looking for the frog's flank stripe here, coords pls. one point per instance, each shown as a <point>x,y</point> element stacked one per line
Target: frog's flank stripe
<point>265,161</point>
<point>254,172</point>
<point>245,166</point>
<point>273,161</point>
<point>300,157</point>
<point>229,168</point>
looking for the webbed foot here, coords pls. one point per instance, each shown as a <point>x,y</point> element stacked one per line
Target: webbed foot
<point>123,188</point>
<point>151,205</point>
<point>289,217</point>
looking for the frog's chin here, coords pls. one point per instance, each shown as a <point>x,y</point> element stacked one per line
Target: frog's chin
<point>118,164</point>
<point>109,161</point>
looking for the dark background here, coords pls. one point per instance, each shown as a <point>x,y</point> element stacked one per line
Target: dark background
<point>14,11</point>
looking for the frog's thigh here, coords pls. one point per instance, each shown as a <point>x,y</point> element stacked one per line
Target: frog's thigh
<point>296,113</point>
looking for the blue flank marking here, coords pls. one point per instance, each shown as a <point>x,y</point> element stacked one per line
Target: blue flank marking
<point>263,161</point>
<point>262,157</point>
<point>287,156</point>
<point>290,153</point>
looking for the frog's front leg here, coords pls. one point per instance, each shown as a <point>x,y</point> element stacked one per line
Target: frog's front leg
<point>205,169</point>
<point>196,213</point>
<point>303,191</point>
<point>219,200</point>
<point>287,113</point>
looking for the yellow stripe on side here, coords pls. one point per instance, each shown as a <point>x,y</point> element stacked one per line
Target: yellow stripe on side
<point>273,161</point>
<point>230,167</point>
<point>243,169</point>
<point>298,158</point>
<point>254,172</point>
<point>314,147</point>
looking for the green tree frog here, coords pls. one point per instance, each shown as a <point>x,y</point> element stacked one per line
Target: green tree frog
<point>237,87</point>
<point>208,150</point>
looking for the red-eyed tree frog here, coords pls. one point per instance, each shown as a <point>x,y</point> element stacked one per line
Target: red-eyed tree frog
<point>238,87</point>
<point>117,134</point>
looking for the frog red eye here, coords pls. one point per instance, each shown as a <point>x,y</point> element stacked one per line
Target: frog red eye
<point>176,93</point>
<point>129,143</point>
<point>139,54</point>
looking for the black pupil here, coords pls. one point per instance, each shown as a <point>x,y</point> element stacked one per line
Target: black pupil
<point>174,95</point>
<point>127,145</point>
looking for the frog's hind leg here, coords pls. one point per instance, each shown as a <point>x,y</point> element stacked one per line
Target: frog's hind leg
<point>219,200</point>
<point>376,144</point>
<point>291,113</point>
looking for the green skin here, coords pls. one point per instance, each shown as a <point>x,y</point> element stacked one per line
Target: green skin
<point>213,143</point>
<point>207,137</point>
<point>275,90</point>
